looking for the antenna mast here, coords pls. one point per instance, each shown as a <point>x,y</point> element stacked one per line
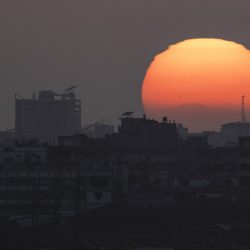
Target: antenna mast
<point>243,113</point>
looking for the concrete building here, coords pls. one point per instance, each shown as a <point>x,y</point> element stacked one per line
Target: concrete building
<point>228,135</point>
<point>48,116</point>
<point>231,132</point>
<point>244,162</point>
<point>50,178</point>
<point>147,132</point>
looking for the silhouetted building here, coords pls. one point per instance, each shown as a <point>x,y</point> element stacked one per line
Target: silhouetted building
<point>244,161</point>
<point>48,116</point>
<point>6,135</point>
<point>228,135</point>
<point>182,131</point>
<point>197,140</point>
<point>231,132</point>
<point>143,131</point>
<point>214,138</point>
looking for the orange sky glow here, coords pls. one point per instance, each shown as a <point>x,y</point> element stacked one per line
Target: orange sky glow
<point>194,77</point>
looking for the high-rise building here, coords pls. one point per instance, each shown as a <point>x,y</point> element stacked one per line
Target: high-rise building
<point>48,116</point>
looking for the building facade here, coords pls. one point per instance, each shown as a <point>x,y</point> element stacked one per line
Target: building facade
<point>48,116</point>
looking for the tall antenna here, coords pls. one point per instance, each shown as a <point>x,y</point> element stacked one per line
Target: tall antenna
<point>243,113</point>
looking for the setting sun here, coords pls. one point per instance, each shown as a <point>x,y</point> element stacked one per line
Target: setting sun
<point>199,80</point>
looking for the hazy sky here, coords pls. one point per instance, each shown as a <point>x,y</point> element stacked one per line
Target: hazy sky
<point>103,45</point>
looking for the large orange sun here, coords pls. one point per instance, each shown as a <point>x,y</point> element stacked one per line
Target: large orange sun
<point>198,82</point>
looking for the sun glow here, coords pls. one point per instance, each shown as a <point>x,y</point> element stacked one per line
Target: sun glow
<point>211,73</point>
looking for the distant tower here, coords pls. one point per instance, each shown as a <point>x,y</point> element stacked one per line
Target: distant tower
<point>243,113</point>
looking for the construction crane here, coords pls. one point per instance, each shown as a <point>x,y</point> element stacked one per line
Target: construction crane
<point>90,126</point>
<point>128,114</point>
<point>70,89</point>
<point>243,112</point>
<point>17,96</point>
<point>68,93</point>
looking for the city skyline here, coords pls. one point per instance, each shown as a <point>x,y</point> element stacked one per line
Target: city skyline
<point>241,112</point>
<point>125,125</point>
<point>95,45</point>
